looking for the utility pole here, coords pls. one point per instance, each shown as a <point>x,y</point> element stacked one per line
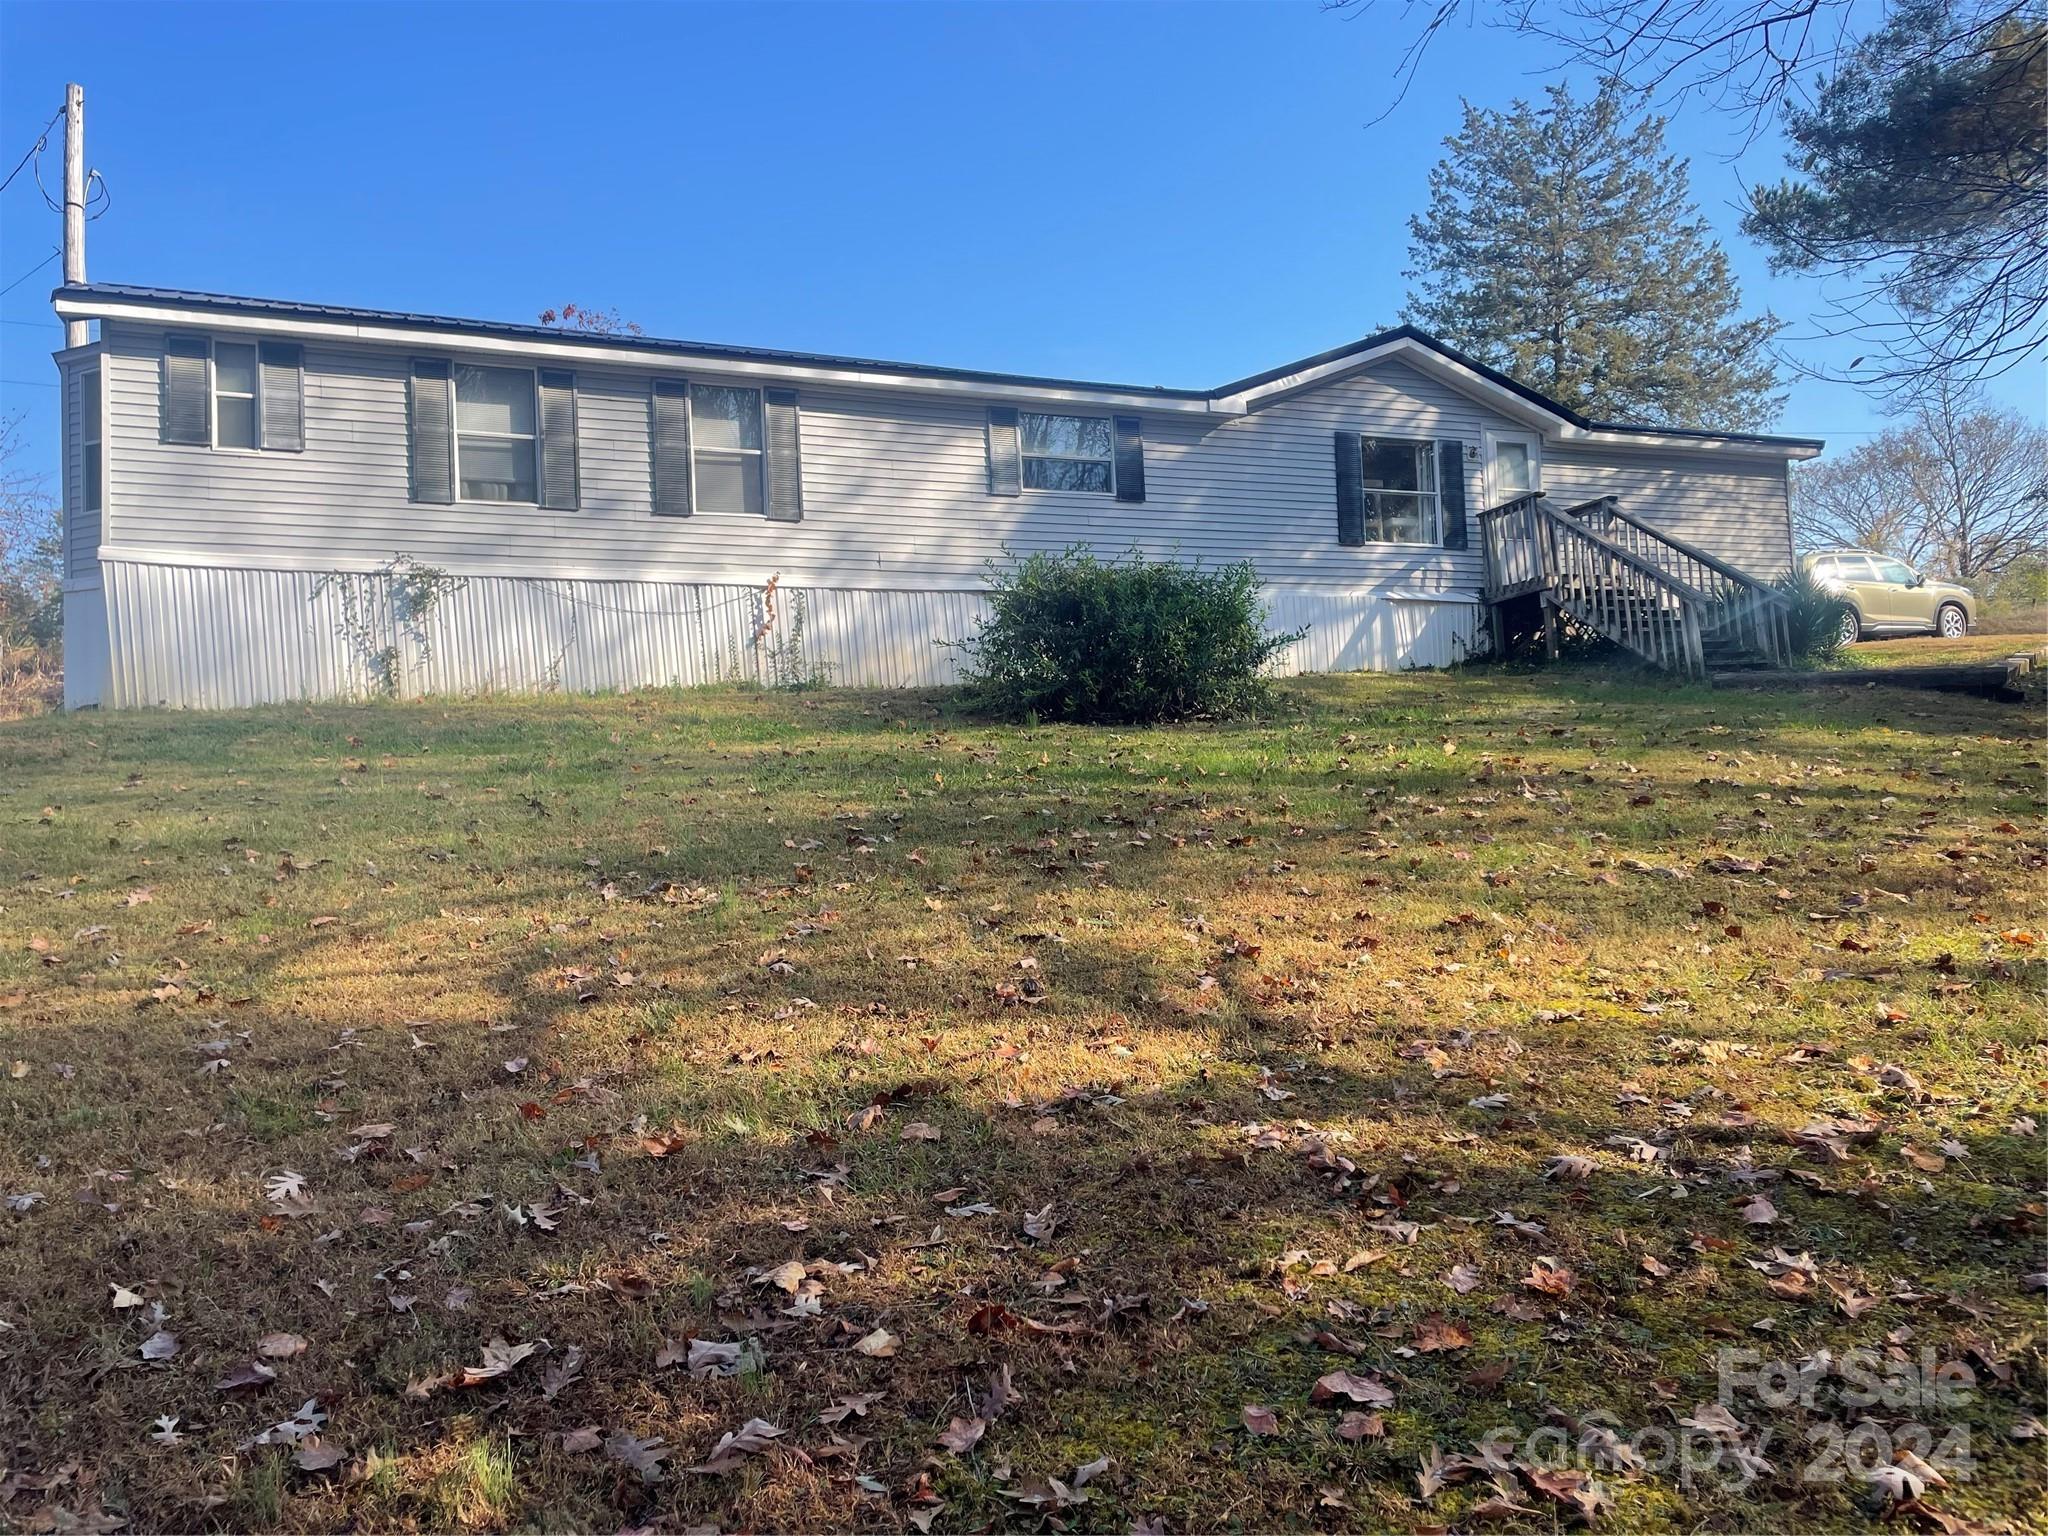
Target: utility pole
<point>76,332</point>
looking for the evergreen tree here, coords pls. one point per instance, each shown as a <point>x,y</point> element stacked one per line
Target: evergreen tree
<point>1562,246</point>
<point>1923,178</point>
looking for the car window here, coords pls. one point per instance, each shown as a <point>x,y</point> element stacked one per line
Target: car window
<point>1846,568</point>
<point>1892,571</point>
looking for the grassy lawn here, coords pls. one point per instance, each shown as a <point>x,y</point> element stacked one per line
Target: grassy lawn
<point>416,1112</point>
<point>1932,650</point>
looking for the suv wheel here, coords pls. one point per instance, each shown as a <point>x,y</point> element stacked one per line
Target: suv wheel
<point>1952,622</point>
<point>1852,627</point>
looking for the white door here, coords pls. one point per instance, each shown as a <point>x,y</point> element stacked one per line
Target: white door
<point>1514,465</point>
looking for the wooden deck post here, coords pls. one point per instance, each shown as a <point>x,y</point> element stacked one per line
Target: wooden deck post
<point>1550,645</point>
<point>1695,656</point>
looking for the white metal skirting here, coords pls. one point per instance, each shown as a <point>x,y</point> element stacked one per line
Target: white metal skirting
<point>1352,631</point>
<point>188,636</point>
<point>85,642</point>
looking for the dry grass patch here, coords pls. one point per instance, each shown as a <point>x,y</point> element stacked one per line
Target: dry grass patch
<point>973,1122</point>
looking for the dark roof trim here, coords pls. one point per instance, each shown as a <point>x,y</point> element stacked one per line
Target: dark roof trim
<point>178,298</point>
<point>215,303</point>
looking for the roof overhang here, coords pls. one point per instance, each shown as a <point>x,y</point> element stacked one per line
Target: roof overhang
<point>1516,402</point>
<point>668,358</point>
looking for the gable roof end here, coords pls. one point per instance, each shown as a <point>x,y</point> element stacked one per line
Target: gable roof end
<point>1441,358</point>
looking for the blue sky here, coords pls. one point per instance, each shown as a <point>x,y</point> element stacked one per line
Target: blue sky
<point>1172,194</point>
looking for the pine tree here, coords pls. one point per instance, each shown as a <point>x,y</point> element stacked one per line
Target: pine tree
<point>1562,246</point>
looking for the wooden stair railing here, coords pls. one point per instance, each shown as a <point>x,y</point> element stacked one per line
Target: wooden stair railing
<point>1630,600</point>
<point>1508,536</point>
<point>1745,610</point>
<point>1658,596</point>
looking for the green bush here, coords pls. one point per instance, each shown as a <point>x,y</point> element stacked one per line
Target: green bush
<point>2020,587</point>
<point>1071,637</point>
<point>1813,619</point>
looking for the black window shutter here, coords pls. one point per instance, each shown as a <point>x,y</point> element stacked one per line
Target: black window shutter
<point>1450,481</point>
<point>1005,457</point>
<point>670,429</point>
<point>284,395</point>
<point>783,432</point>
<point>432,418</point>
<point>560,488</point>
<point>187,412</point>
<point>1350,488</point>
<point>1130,459</point>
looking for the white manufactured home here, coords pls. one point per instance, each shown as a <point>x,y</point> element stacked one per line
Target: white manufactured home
<point>260,496</point>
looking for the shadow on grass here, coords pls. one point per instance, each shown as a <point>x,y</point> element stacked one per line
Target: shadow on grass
<point>1191,985</point>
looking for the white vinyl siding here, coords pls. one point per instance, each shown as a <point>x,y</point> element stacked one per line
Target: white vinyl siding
<point>1732,507</point>
<point>895,488</point>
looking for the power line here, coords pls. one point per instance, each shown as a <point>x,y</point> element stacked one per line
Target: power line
<point>35,169</point>
<point>32,271</point>
<point>33,149</point>
<point>30,383</point>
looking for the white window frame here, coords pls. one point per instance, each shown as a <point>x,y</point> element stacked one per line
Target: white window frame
<point>455,367</point>
<point>254,397</point>
<point>1024,459</point>
<point>1369,494</point>
<point>758,455</point>
<point>92,464</point>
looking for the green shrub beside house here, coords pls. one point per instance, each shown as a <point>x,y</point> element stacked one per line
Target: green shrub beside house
<point>1072,637</point>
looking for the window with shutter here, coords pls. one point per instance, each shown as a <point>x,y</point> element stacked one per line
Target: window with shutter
<point>431,421</point>
<point>236,396</point>
<point>669,433</point>
<point>1005,469</point>
<point>187,411</point>
<point>1388,491</point>
<point>560,478</point>
<point>1450,481</point>
<point>91,439</point>
<point>282,385</point>
<point>726,449</point>
<point>496,434</point>
<point>785,456</point>
<point>1130,458</point>
<point>1066,453</point>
